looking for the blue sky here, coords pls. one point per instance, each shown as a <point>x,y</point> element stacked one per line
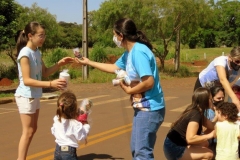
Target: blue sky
<point>65,10</point>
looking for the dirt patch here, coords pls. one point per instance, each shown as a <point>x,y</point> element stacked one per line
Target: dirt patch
<point>6,82</point>
<point>196,63</point>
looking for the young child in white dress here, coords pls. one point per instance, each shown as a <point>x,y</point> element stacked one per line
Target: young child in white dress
<point>67,130</point>
<point>227,131</point>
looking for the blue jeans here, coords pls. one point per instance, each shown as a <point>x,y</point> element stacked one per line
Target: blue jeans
<point>171,150</point>
<point>144,133</point>
<point>66,153</point>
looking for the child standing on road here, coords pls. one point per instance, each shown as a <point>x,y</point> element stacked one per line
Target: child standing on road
<point>227,131</point>
<point>31,68</point>
<point>66,128</point>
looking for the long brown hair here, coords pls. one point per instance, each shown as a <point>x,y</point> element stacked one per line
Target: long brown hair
<point>200,101</point>
<point>129,30</point>
<point>67,106</point>
<point>21,37</point>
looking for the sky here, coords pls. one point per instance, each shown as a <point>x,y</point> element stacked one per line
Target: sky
<point>69,11</point>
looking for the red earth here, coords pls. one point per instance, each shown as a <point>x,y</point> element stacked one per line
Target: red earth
<point>6,82</point>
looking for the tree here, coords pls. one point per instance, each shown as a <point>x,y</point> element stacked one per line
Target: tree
<point>189,15</point>
<point>8,23</point>
<point>9,11</point>
<point>70,35</point>
<point>227,22</point>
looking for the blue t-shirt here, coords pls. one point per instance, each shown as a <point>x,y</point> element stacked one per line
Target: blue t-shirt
<point>140,62</point>
<point>35,62</point>
<point>209,114</point>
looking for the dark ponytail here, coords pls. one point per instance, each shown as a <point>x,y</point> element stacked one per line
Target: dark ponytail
<point>21,41</point>
<point>143,39</point>
<point>129,30</point>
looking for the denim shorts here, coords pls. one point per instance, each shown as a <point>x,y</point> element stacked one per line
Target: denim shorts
<point>27,105</point>
<point>65,153</point>
<point>172,151</point>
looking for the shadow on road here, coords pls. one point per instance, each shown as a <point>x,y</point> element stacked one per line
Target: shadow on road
<point>93,156</point>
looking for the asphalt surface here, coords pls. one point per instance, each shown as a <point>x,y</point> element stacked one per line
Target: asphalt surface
<point>111,119</point>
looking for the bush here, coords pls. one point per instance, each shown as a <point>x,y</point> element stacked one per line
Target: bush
<point>75,73</point>
<point>98,54</point>
<point>182,72</point>
<point>9,72</point>
<point>52,58</point>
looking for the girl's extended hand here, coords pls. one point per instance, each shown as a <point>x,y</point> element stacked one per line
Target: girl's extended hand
<point>59,83</point>
<point>83,60</point>
<point>65,60</point>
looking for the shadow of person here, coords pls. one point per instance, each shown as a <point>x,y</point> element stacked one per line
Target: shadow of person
<point>93,156</point>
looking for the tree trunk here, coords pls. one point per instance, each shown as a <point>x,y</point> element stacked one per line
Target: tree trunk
<point>162,63</point>
<point>177,52</point>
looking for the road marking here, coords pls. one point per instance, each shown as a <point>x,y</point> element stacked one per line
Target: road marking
<point>180,109</point>
<point>7,112</point>
<point>94,97</point>
<point>166,124</point>
<point>111,100</point>
<point>9,109</point>
<point>97,138</point>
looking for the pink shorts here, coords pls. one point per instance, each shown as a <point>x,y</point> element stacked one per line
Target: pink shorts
<point>27,105</point>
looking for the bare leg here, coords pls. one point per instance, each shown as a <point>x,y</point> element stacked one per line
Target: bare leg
<point>29,126</point>
<point>196,152</point>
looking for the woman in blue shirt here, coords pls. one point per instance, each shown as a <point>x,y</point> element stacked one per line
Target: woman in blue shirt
<point>140,65</point>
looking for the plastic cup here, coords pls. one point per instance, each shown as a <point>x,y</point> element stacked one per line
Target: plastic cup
<point>66,76</point>
<point>116,82</point>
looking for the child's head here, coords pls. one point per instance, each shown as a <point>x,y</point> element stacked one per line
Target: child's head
<point>227,111</point>
<point>67,106</point>
<point>34,32</point>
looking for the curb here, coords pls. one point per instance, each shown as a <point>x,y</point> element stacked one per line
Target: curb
<point>45,96</point>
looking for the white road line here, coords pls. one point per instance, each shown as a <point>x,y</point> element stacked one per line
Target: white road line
<point>9,109</point>
<point>166,124</point>
<point>7,112</point>
<point>111,100</point>
<point>79,99</point>
<point>180,109</point>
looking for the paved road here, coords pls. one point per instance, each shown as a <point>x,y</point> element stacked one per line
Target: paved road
<point>111,120</point>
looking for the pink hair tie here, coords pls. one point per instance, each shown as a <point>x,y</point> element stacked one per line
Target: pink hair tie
<point>61,104</point>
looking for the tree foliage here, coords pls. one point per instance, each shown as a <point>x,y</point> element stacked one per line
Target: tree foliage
<point>8,13</point>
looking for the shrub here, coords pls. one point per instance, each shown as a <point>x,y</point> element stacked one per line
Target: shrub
<point>52,58</point>
<point>98,54</point>
<point>9,72</point>
<point>182,72</point>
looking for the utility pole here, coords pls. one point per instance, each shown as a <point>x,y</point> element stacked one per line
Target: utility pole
<point>85,70</point>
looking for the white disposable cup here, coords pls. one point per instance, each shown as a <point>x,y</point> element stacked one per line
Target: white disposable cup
<point>66,76</point>
<point>116,82</point>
